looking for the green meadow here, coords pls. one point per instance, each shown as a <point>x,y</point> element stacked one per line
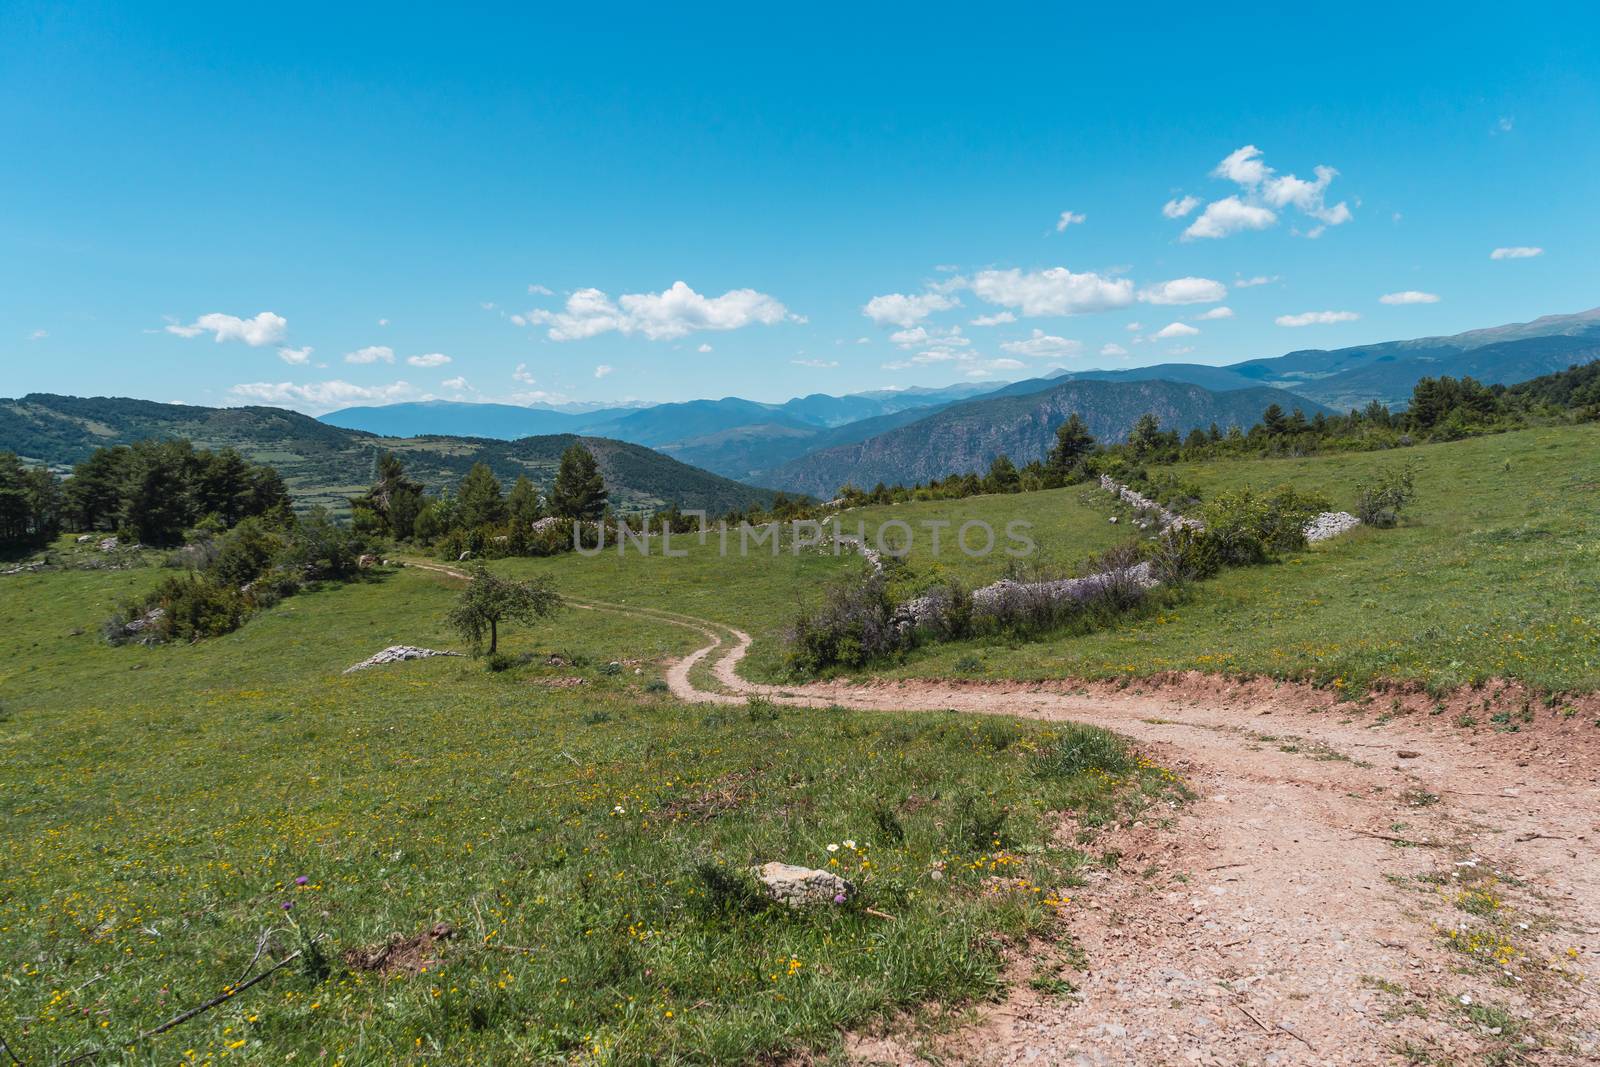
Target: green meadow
<point>587,844</point>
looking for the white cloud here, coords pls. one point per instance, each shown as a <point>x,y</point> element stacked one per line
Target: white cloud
<point>539,290</point>
<point>1003,364</point>
<point>265,329</point>
<point>602,370</point>
<point>1316,318</point>
<point>918,336</point>
<point>1229,215</point>
<point>999,318</point>
<point>430,359</point>
<point>319,397</point>
<point>38,335</point>
<point>1134,327</point>
<point>487,305</point>
<point>662,316</point>
<point>1180,350</point>
<point>459,384</point>
<point>1070,218</point>
<point>898,309</point>
<point>371,354</point>
<point>1505,125</point>
<point>1244,166</point>
<point>818,364</point>
<point>299,357</point>
<point>1215,313</point>
<point>522,375</point>
<point>383,322</point>
<point>1264,192</point>
<point>1249,283</point>
<point>1113,349</point>
<point>1178,208</point>
<point>1175,329</point>
<point>703,348</point>
<point>1409,296</point>
<point>1056,291</point>
<point>1043,346</point>
<point>1517,252</point>
<point>1184,291</point>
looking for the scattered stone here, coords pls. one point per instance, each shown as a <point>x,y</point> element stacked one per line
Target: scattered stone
<point>367,560</point>
<point>799,886</point>
<point>1406,753</point>
<point>396,653</point>
<point>84,539</point>
<point>107,545</point>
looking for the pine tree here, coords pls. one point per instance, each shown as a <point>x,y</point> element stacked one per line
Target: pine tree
<point>523,502</point>
<point>478,498</point>
<point>579,491</point>
<point>1073,444</point>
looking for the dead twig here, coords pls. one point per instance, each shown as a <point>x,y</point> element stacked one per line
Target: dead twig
<point>16,1062</point>
<point>1392,837</point>
<point>183,1017</point>
<point>876,914</point>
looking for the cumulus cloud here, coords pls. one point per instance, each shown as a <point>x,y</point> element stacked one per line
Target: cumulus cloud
<point>459,384</point>
<point>299,357</point>
<point>1070,218</point>
<point>1175,329</point>
<point>521,374</point>
<point>898,309</point>
<point>431,359</point>
<point>817,364</point>
<point>1179,207</point>
<point>1056,291</point>
<point>602,370</point>
<point>318,397</point>
<point>539,290</point>
<point>1250,283</point>
<point>999,318</point>
<point>1263,194</point>
<point>663,316</point>
<point>1316,318</point>
<point>38,335</point>
<point>703,348</point>
<point>1043,346</point>
<point>264,329</point>
<point>1112,349</point>
<point>1215,313</point>
<point>371,354</point>
<point>1184,291</point>
<point>1227,216</point>
<point>1516,252</point>
<point>1409,296</point>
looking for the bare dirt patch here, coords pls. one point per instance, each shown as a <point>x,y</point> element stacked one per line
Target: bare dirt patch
<point>401,955</point>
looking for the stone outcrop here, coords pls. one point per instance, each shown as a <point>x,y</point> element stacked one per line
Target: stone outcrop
<point>397,654</point>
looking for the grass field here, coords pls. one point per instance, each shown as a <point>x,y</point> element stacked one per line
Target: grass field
<point>161,804</point>
<point>1494,573</point>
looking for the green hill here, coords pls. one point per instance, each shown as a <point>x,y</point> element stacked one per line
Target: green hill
<point>325,464</point>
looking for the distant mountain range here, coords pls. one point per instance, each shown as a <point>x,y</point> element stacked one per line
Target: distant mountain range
<point>1021,423</point>
<point>654,454</point>
<point>771,444</point>
<point>326,464</point>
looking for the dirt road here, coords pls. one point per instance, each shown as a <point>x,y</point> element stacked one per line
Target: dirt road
<point>1351,885</point>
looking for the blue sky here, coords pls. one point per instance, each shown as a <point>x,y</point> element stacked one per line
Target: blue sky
<point>221,205</point>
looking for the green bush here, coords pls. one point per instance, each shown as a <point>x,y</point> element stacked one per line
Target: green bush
<point>1183,554</point>
<point>853,627</point>
<point>1381,500</point>
<point>1248,527</point>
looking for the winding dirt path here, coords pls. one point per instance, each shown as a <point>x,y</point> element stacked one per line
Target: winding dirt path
<point>1300,910</point>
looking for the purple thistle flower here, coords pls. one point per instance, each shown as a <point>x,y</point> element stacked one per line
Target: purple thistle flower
<point>838,898</point>
<point>302,880</point>
<point>288,904</point>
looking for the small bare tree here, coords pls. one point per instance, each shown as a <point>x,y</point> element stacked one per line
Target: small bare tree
<point>488,600</point>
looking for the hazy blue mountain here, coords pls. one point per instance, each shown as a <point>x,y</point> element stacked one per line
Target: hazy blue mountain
<point>967,436</point>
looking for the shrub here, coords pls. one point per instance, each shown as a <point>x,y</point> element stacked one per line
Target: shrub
<point>1382,499</point>
<point>853,627</point>
<point>1182,554</point>
<point>1247,527</point>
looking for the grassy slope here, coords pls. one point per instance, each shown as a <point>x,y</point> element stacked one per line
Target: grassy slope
<point>1495,573</point>
<point>159,803</point>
